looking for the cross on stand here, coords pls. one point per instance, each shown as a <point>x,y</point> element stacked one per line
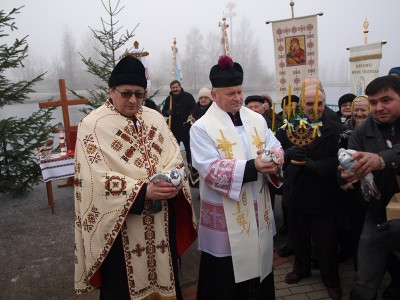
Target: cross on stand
<point>136,52</point>
<point>142,56</point>
<point>64,103</point>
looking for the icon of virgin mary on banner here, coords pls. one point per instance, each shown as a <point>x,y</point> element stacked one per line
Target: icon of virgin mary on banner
<point>296,52</point>
<point>295,55</point>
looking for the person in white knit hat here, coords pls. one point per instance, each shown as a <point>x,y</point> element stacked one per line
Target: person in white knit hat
<point>204,97</point>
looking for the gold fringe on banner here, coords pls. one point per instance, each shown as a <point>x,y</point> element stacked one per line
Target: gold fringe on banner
<point>365,57</point>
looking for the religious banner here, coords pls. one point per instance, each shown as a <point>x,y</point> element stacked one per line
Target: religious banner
<point>364,66</point>
<point>177,68</point>
<point>176,64</point>
<point>296,52</point>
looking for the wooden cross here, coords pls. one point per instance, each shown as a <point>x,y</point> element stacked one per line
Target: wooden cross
<point>64,103</point>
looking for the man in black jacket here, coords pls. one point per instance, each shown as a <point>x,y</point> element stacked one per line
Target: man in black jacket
<point>310,191</point>
<point>178,112</point>
<point>378,151</point>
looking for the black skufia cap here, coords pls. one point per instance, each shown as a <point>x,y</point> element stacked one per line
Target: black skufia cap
<point>129,70</point>
<point>226,73</point>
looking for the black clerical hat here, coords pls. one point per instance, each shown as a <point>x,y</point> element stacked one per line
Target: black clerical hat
<point>226,73</point>
<point>254,98</point>
<point>129,70</point>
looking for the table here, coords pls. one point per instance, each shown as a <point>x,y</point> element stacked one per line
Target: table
<point>56,166</point>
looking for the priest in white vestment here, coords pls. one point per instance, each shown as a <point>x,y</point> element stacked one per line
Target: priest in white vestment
<point>236,225</point>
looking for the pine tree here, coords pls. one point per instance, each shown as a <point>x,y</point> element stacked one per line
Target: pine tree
<point>19,137</point>
<point>111,42</point>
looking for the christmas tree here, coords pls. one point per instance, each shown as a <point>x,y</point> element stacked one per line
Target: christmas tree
<point>19,137</point>
<point>110,41</point>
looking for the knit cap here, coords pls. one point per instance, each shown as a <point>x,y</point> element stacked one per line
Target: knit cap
<point>129,70</point>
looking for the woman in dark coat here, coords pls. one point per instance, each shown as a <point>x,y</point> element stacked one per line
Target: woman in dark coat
<point>205,101</point>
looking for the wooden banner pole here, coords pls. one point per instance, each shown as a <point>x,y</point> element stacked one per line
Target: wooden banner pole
<point>170,108</point>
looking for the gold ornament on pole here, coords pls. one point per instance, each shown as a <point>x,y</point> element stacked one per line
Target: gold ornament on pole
<point>224,26</point>
<point>365,25</point>
<point>292,8</point>
<point>174,50</point>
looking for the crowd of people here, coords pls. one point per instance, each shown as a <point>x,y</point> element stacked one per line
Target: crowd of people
<point>135,219</point>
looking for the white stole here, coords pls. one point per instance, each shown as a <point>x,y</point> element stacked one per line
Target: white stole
<point>251,245</point>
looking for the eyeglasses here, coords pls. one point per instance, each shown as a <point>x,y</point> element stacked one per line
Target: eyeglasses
<point>127,95</point>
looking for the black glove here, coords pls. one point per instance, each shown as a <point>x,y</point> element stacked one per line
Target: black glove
<point>344,136</point>
<point>296,153</point>
<point>169,112</point>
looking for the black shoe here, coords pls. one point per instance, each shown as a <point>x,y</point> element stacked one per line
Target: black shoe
<point>392,292</point>
<point>314,264</point>
<point>285,251</point>
<point>294,277</point>
<point>335,293</point>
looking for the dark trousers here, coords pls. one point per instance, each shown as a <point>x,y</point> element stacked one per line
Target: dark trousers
<point>321,229</point>
<point>290,238</point>
<point>186,143</point>
<point>216,281</point>
<point>375,256</point>
<point>113,269</point>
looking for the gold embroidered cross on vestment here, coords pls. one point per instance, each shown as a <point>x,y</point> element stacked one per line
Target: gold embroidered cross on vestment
<point>257,141</point>
<point>225,146</point>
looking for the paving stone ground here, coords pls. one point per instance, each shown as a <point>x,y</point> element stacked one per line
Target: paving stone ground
<point>36,253</point>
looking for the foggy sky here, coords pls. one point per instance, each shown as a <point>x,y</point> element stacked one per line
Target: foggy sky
<point>160,21</point>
